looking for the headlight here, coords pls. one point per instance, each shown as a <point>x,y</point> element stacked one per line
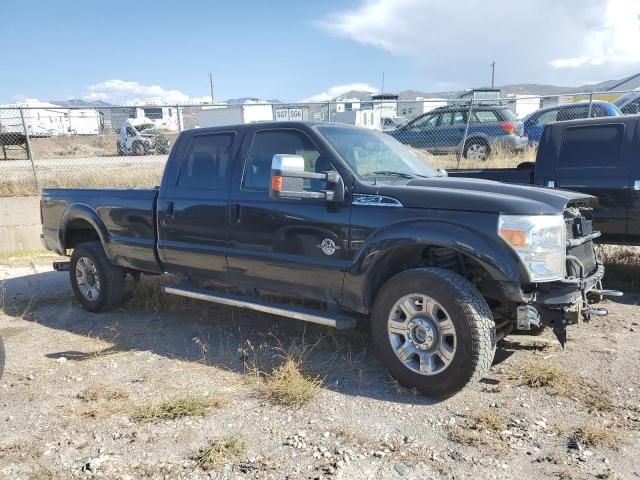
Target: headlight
<point>539,241</point>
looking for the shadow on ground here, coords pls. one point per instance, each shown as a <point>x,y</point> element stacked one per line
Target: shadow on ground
<point>233,339</point>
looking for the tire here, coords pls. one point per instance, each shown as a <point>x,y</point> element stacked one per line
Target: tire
<point>89,261</point>
<point>453,301</point>
<point>477,149</point>
<point>139,149</point>
<point>120,150</point>
<point>2,357</point>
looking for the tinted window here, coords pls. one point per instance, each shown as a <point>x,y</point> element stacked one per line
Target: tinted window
<point>547,117</point>
<point>206,162</point>
<point>589,146</point>
<point>266,144</point>
<point>485,116</point>
<point>427,121</point>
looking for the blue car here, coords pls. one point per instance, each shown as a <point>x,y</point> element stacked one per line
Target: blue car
<point>535,122</point>
<point>442,131</point>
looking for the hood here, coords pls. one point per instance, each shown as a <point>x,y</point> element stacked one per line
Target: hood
<point>471,194</point>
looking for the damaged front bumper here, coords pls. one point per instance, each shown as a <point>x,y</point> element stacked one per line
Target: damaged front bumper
<point>564,302</point>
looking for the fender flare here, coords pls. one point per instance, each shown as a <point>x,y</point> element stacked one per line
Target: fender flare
<point>495,257</point>
<point>80,211</point>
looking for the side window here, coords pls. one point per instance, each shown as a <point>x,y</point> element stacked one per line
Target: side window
<point>206,162</point>
<point>573,113</point>
<point>591,146</point>
<point>459,118</point>
<point>485,116</point>
<point>428,121</point>
<point>547,117</point>
<point>447,117</point>
<point>632,107</point>
<point>267,143</point>
<point>598,111</point>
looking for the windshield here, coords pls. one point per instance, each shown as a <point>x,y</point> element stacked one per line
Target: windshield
<point>372,154</point>
<point>146,127</point>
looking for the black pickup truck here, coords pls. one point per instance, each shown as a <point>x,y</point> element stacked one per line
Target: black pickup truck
<point>600,157</point>
<point>352,223</point>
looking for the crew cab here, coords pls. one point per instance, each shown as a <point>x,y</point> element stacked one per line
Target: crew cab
<point>352,225</point>
<point>596,156</point>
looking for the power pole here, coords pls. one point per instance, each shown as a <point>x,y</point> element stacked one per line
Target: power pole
<point>493,73</point>
<point>382,89</point>
<point>211,85</point>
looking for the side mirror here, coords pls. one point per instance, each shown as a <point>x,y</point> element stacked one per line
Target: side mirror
<point>288,180</point>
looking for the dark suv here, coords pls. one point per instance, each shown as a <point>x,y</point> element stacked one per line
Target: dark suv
<point>442,131</point>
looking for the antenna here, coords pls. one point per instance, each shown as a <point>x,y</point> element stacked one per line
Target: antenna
<point>211,85</point>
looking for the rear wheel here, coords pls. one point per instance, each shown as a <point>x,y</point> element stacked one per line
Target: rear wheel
<point>433,331</point>
<point>476,149</point>
<point>97,283</point>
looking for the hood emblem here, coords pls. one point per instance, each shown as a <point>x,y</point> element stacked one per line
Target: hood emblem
<point>328,246</point>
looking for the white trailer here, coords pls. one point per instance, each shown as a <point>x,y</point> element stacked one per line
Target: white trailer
<point>217,115</point>
<point>84,122</point>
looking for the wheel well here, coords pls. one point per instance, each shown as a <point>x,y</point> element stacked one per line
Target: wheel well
<point>476,139</point>
<point>79,231</point>
<point>414,256</point>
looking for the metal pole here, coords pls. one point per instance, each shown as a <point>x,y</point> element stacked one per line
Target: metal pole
<point>590,105</point>
<point>211,85</point>
<point>329,112</point>
<point>493,73</point>
<point>466,132</point>
<point>179,118</point>
<point>28,144</point>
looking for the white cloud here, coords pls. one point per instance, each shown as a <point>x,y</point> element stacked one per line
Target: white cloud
<point>129,93</point>
<point>337,90</point>
<point>551,41</point>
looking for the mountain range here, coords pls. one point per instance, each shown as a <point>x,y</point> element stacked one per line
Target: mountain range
<point>518,88</point>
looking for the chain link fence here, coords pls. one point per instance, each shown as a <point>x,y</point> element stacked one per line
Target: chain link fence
<point>46,145</point>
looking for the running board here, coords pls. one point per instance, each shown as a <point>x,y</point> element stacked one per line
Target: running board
<point>341,322</point>
<point>607,293</point>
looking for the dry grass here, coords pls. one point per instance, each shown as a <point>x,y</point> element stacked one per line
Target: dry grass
<point>176,408</point>
<point>148,295</point>
<point>488,419</point>
<point>595,436</point>
<point>288,385</point>
<point>621,266</point>
<point>564,383</point>
<point>96,393</point>
<point>220,451</point>
<point>498,159</point>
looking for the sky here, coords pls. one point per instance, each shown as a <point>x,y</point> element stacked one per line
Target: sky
<point>133,51</point>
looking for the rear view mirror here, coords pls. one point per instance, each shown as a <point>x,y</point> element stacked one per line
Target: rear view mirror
<point>288,180</point>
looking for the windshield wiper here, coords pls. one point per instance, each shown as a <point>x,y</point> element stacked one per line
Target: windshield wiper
<point>390,173</point>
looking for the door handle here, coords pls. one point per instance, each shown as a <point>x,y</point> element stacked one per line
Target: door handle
<point>169,210</point>
<point>235,213</point>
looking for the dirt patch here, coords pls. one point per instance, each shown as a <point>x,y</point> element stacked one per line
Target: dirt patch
<point>146,392</point>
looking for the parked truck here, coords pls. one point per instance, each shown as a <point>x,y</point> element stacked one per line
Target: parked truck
<point>596,156</point>
<point>352,225</point>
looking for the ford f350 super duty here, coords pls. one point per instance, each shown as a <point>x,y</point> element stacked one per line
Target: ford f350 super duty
<point>353,224</point>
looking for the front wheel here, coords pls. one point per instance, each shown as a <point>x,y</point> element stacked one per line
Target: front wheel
<point>97,283</point>
<point>139,149</point>
<point>433,331</point>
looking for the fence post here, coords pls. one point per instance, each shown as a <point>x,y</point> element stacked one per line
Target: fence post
<point>590,104</point>
<point>329,112</point>
<point>28,145</point>
<point>179,118</point>
<point>466,132</point>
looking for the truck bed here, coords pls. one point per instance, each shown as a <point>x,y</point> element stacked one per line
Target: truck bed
<point>523,174</point>
<point>124,219</point>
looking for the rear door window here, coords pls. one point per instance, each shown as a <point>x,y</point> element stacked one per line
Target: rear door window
<point>591,146</point>
<point>428,121</point>
<point>206,162</point>
<point>547,117</point>
<point>485,116</point>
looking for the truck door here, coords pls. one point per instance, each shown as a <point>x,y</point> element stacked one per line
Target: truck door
<point>193,206</point>
<point>633,157</point>
<point>592,160</point>
<point>292,247</point>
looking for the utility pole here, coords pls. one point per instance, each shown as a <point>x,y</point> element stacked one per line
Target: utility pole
<point>493,73</point>
<point>382,89</point>
<point>211,85</point>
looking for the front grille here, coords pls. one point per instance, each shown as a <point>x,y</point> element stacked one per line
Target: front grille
<point>579,223</point>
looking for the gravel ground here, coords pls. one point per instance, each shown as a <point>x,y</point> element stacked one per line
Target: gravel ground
<point>80,397</point>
